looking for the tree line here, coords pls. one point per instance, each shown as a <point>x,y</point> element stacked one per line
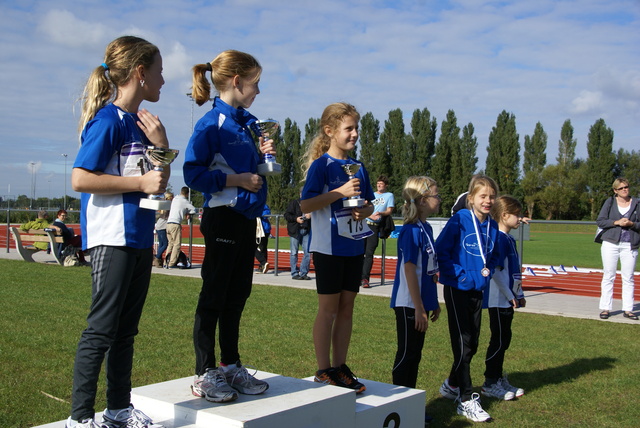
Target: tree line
<point>571,189</point>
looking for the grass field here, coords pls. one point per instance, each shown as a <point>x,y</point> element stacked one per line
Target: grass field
<point>576,372</point>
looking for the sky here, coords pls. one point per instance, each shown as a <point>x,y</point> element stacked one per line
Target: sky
<point>544,61</point>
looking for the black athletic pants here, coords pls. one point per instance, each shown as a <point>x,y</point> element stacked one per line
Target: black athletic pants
<point>500,320</point>
<point>120,281</point>
<point>464,309</point>
<point>227,274</point>
<point>409,352</point>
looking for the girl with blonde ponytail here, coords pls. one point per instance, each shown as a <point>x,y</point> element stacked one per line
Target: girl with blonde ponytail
<point>221,161</point>
<point>113,175</point>
<point>414,297</point>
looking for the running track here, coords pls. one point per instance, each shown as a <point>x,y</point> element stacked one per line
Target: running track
<point>547,279</point>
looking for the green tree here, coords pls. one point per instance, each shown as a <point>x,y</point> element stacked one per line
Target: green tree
<point>310,131</point>
<point>600,164</point>
<point>566,145</point>
<point>503,153</point>
<point>463,159</point>
<point>628,166</point>
<point>535,159</point>
<point>421,143</point>
<point>279,184</point>
<point>369,139</point>
<point>447,160</point>
<point>560,199</point>
<point>392,153</point>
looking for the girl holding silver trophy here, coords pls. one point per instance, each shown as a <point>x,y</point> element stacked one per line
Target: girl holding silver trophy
<point>337,193</point>
<point>221,161</point>
<point>113,175</point>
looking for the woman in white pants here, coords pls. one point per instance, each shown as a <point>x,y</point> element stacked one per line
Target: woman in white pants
<point>620,220</point>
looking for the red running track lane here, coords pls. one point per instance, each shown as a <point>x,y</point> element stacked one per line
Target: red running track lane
<point>572,283</point>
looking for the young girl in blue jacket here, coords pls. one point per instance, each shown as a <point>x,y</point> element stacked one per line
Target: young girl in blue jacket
<point>467,259</point>
<point>501,297</point>
<point>221,161</point>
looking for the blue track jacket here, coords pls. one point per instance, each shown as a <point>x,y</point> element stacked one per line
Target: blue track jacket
<point>222,144</point>
<point>459,253</point>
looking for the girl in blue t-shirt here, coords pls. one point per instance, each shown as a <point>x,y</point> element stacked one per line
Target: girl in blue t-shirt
<point>414,297</point>
<point>113,175</point>
<point>337,242</point>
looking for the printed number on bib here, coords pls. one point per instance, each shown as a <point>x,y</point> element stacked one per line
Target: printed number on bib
<point>350,228</point>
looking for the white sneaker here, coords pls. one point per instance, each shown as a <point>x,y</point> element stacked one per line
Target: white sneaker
<point>498,390</point>
<point>128,418</point>
<point>471,409</point>
<point>213,387</point>
<point>86,423</point>
<point>518,392</point>
<point>448,391</point>
<point>239,378</point>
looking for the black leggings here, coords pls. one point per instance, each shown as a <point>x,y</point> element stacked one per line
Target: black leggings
<point>464,309</point>
<point>500,320</point>
<point>227,275</point>
<point>409,352</point>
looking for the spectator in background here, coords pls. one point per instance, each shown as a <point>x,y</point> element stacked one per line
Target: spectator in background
<point>619,219</point>
<point>161,232</point>
<point>263,241</point>
<point>298,228</point>
<point>180,207</point>
<point>383,205</point>
<point>68,235</point>
<point>40,223</point>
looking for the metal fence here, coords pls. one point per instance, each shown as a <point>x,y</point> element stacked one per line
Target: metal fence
<point>521,234</point>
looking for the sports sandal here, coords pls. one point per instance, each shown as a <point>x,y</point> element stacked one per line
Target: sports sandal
<point>604,315</point>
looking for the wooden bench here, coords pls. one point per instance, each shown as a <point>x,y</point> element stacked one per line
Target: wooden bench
<point>35,235</point>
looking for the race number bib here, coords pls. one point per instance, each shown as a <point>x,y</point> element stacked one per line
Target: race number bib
<point>350,228</point>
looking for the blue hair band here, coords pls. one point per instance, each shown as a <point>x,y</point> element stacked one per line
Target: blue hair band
<point>105,66</point>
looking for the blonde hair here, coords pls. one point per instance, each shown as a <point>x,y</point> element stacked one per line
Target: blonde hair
<point>414,189</point>
<point>479,182</point>
<point>122,56</point>
<point>332,117</point>
<point>618,181</point>
<point>225,66</point>
<point>505,204</point>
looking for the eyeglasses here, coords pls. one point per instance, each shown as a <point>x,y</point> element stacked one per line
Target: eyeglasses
<point>622,188</point>
<point>433,196</point>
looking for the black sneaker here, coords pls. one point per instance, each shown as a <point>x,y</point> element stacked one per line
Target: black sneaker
<point>328,377</point>
<point>349,379</point>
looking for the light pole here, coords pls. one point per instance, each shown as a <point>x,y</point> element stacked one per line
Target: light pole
<point>64,206</point>
<point>33,183</point>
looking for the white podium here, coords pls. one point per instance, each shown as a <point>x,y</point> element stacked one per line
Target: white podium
<point>288,403</point>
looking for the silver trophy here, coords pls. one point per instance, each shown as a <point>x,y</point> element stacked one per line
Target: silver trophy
<point>267,129</point>
<point>353,202</point>
<point>159,158</point>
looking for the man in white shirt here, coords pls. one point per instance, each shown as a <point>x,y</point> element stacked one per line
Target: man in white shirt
<point>179,207</point>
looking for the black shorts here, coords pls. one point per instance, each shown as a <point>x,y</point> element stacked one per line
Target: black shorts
<point>337,273</point>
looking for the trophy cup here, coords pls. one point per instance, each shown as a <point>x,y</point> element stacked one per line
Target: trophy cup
<point>159,158</point>
<point>353,202</point>
<point>266,129</point>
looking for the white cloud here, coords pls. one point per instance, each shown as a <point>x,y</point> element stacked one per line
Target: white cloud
<point>64,28</point>
<point>586,102</point>
<point>176,62</point>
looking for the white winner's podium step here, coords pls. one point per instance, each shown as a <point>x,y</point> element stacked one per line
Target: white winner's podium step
<point>385,405</point>
<point>289,402</point>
